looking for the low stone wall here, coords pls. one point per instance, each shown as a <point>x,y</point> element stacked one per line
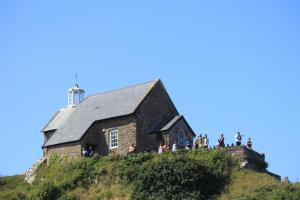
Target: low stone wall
<point>248,158</point>
<point>71,150</point>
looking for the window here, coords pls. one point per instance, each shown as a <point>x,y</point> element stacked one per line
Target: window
<point>181,137</point>
<point>70,98</point>
<point>113,138</point>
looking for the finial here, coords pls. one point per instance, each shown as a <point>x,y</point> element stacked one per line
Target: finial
<point>76,83</point>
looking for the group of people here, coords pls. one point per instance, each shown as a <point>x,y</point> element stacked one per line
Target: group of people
<point>202,142</point>
<point>88,152</point>
<point>163,148</point>
<point>238,141</point>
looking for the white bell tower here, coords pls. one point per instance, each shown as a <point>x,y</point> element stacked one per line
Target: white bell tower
<point>75,95</point>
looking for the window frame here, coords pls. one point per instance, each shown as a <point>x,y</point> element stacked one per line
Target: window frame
<point>116,132</point>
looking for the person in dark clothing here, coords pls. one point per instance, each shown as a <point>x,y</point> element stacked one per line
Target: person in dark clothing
<point>221,141</point>
<point>238,139</point>
<point>249,143</point>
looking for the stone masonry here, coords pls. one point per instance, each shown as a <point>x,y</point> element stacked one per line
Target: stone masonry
<point>154,108</point>
<point>157,106</point>
<point>71,150</point>
<point>98,135</point>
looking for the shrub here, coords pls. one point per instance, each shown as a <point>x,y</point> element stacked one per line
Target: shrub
<point>130,167</point>
<point>2,181</point>
<point>45,191</point>
<point>176,177</point>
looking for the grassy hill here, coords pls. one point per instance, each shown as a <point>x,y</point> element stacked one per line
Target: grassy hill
<point>182,175</point>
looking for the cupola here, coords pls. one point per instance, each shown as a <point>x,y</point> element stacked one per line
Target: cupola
<point>75,95</point>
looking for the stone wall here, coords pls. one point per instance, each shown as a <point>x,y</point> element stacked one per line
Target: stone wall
<point>98,135</point>
<point>72,150</point>
<point>248,158</point>
<point>155,108</point>
<point>170,137</point>
<point>173,132</point>
<point>132,129</point>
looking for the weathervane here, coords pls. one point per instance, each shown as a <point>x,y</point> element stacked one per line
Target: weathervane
<point>76,83</point>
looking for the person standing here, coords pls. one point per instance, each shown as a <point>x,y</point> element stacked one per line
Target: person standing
<point>197,142</point>
<point>174,147</point>
<point>205,142</point>
<point>221,141</point>
<point>238,139</point>
<point>201,142</point>
<point>249,143</point>
<point>160,149</point>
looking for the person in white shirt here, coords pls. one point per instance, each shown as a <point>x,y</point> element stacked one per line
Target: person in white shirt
<point>160,149</point>
<point>238,139</point>
<point>174,147</point>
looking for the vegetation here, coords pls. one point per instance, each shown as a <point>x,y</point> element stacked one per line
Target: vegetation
<point>180,175</point>
<point>13,187</point>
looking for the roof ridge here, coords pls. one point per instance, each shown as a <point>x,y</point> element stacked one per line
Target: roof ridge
<point>154,81</point>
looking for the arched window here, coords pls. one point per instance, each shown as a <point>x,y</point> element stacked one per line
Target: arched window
<point>181,137</point>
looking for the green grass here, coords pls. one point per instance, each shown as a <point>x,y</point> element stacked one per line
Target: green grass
<point>123,177</point>
<point>246,182</point>
<point>252,185</point>
<point>13,187</point>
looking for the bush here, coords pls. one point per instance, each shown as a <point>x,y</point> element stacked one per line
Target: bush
<point>45,191</point>
<point>176,177</point>
<point>130,167</point>
<point>67,174</point>
<point>2,181</point>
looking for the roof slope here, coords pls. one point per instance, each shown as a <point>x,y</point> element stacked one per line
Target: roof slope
<point>171,123</point>
<point>58,119</point>
<point>166,126</point>
<point>99,107</point>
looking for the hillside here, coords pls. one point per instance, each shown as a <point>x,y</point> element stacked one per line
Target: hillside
<point>182,175</point>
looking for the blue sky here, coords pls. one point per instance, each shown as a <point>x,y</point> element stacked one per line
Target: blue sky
<point>228,66</point>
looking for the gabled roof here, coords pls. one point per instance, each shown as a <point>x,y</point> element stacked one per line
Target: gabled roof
<point>99,107</point>
<point>166,126</point>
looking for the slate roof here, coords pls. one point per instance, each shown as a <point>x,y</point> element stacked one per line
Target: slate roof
<point>170,123</point>
<point>165,126</point>
<point>99,107</point>
<point>58,119</point>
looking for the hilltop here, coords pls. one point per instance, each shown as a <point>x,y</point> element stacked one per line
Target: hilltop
<point>212,174</point>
